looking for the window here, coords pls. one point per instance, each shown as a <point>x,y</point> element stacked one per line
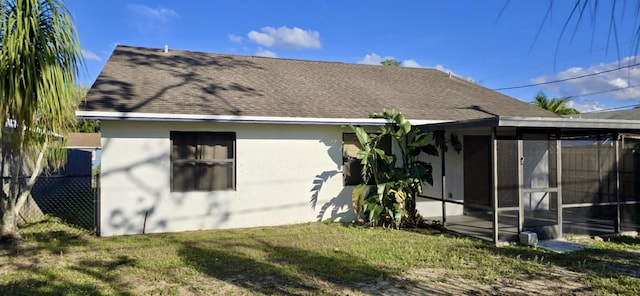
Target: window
<point>202,161</point>
<point>352,169</point>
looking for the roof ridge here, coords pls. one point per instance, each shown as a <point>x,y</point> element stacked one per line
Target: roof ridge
<point>161,50</point>
<point>146,80</point>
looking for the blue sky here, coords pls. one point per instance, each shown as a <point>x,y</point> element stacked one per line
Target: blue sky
<point>471,39</point>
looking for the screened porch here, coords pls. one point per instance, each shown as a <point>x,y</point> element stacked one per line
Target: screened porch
<point>555,177</point>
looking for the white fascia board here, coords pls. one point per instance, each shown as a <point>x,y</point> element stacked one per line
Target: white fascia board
<point>538,122</point>
<point>108,115</point>
<point>564,122</point>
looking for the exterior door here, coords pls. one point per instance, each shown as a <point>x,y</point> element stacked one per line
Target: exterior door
<point>539,195</point>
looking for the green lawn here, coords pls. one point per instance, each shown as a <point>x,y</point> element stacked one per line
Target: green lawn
<point>315,258</point>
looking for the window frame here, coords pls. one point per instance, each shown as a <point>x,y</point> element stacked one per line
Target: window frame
<point>345,160</point>
<point>203,138</point>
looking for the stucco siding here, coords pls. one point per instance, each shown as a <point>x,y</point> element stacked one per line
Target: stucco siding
<point>284,174</point>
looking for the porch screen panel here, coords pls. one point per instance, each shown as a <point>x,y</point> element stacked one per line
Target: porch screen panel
<point>629,183</point>
<point>539,164</point>
<point>539,200</point>
<point>588,185</point>
<point>607,162</point>
<point>507,189</point>
<point>588,170</point>
<point>477,217</point>
<point>507,173</point>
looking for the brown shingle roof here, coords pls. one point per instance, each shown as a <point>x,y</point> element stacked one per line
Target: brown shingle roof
<point>630,114</point>
<point>181,82</point>
<point>83,140</point>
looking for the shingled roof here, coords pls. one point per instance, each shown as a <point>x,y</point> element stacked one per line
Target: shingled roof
<point>630,114</point>
<point>147,80</point>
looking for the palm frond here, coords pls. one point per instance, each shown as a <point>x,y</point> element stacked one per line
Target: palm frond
<point>41,56</point>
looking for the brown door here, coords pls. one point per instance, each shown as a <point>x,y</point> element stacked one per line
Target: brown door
<point>477,172</point>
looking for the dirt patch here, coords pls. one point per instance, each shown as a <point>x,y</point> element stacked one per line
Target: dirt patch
<point>123,274</point>
<point>438,282</point>
<point>428,281</point>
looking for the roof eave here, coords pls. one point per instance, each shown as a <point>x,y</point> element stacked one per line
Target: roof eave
<point>538,122</point>
<point>137,116</point>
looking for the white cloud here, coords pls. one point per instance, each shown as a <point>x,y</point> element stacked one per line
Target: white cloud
<point>235,38</point>
<point>618,82</point>
<point>625,78</point>
<point>148,18</point>
<point>261,52</point>
<point>157,14</point>
<point>449,71</point>
<point>284,37</point>
<point>444,69</point>
<point>411,64</point>
<point>374,59</point>
<point>584,105</point>
<point>89,55</point>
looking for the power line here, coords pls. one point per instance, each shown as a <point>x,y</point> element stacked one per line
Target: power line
<point>610,109</point>
<point>606,91</point>
<point>610,90</point>
<point>567,79</point>
<point>564,59</point>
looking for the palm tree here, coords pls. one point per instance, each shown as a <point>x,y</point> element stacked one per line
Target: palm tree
<point>555,105</point>
<point>40,56</point>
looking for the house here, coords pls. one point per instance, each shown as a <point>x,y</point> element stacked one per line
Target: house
<point>627,114</point>
<point>195,140</point>
<point>86,143</point>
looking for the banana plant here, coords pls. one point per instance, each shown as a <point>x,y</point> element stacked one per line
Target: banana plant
<point>391,199</point>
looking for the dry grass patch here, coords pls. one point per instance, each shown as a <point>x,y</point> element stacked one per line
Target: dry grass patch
<point>305,259</point>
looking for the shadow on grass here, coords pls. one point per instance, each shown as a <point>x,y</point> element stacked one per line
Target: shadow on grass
<point>262,267</point>
<point>87,277</point>
<point>56,281</point>
<point>48,287</point>
<point>49,234</point>
<point>598,262</point>
<point>30,275</point>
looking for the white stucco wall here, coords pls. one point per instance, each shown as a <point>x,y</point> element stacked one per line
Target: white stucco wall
<point>284,174</point>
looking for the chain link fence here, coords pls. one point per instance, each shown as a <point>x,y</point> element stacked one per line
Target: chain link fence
<point>62,204</point>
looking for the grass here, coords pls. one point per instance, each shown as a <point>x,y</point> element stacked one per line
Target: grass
<point>307,259</point>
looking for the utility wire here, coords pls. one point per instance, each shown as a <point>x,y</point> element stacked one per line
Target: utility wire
<point>611,109</point>
<point>606,91</point>
<point>611,90</point>
<point>539,66</point>
<point>567,79</point>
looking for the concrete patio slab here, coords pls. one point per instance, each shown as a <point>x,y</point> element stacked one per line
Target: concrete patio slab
<point>562,246</point>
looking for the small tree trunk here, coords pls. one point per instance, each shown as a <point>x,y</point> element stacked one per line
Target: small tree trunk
<point>14,202</point>
<point>9,230</point>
